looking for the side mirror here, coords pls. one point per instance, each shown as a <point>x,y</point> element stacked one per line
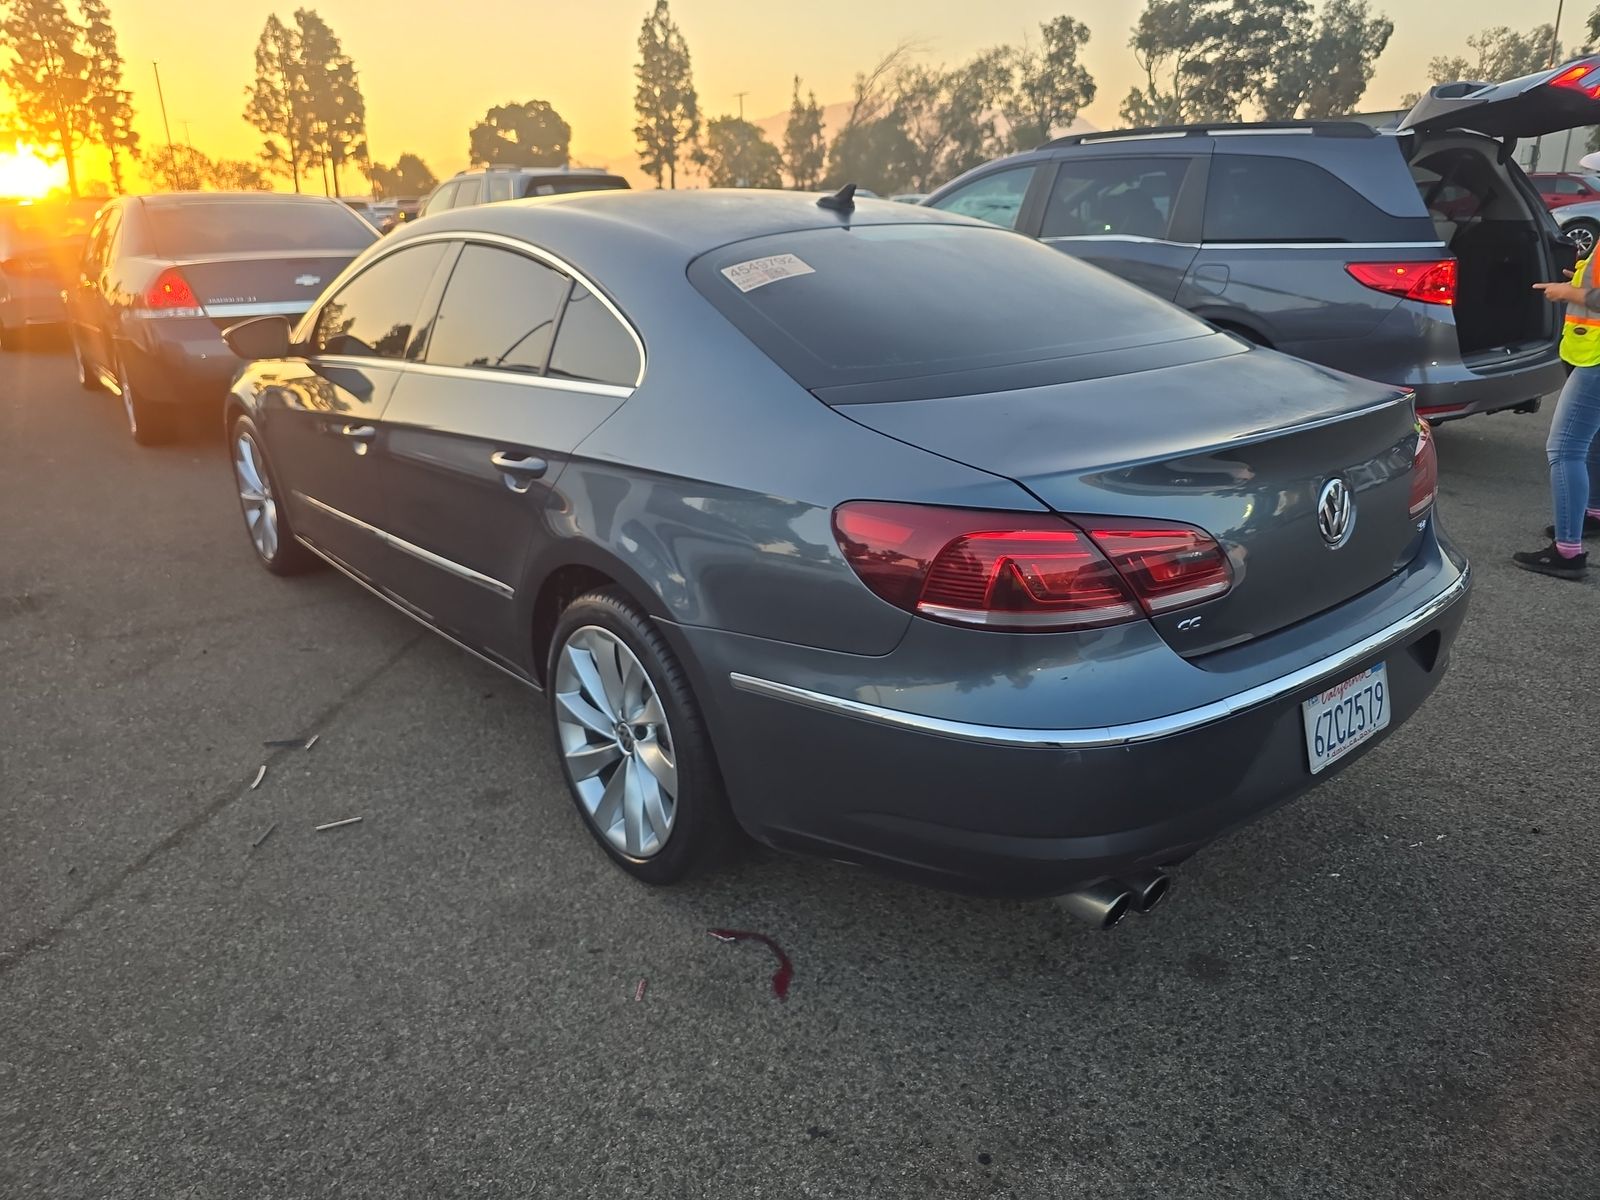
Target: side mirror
<point>259,337</point>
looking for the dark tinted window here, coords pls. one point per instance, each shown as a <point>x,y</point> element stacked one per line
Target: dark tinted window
<point>592,344</point>
<point>471,192</point>
<point>372,315</point>
<point>1253,198</point>
<point>537,186</point>
<point>441,199</point>
<point>499,311</point>
<point>887,302</point>
<point>184,230</point>
<point>1129,196</point>
<point>995,198</point>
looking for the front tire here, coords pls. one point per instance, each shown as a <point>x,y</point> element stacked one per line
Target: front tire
<point>150,424</point>
<point>633,745</point>
<point>266,520</point>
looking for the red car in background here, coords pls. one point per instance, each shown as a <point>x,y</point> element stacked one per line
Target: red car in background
<point>1560,188</point>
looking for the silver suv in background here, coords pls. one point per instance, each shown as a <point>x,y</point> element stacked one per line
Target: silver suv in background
<point>1407,256</point>
<point>486,185</point>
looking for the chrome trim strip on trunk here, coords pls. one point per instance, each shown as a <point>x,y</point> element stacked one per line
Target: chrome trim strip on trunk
<point>1116,735</point>
<point>265,308</point>
<point>405,547</point>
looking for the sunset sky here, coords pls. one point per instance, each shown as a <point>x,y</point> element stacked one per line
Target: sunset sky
<point>430,70</point>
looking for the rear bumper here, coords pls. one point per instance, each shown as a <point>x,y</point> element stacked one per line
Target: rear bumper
<point>1019,810</point>
<point>26,303</point>
<point>1445,395</point>
<point>182,362</point>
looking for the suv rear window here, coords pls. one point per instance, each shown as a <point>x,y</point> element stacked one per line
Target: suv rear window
<point>875,303</point>
<point>190,229</point>
<point>545,186</point>
<point>1257,198</point>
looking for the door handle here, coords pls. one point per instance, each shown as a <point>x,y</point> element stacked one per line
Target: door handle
<point>526,466</point>
<point>361,433</point>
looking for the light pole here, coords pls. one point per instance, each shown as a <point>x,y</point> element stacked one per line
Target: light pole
<point>1555,46</point>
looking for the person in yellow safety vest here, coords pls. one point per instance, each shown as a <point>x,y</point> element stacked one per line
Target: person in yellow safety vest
<point>1573,448</point>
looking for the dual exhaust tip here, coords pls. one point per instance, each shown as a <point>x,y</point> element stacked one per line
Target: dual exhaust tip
<point>1105,903</point>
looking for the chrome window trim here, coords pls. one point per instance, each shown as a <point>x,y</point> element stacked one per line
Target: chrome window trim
<point>1117,735</point>
<point>427,556</point>
<point>489,374</point>
<point>1133,237</point>
<point>489,239</point>
<point>1116,237</point>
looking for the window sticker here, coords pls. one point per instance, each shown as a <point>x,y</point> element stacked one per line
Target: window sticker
<point>758,272</point>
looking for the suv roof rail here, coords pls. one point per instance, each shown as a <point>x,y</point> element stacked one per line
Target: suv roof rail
<point>1350,129</point>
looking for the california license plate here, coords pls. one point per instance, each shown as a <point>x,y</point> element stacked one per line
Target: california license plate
<point>1346,716</point>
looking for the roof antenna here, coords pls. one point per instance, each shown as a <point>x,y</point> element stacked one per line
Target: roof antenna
<point>844,200</point>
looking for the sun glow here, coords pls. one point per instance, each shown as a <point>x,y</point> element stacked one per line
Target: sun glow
<point>24,173</point>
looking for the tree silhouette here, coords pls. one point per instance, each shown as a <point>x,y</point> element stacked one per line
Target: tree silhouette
<point>278,104</point>
<point>1049,85</point>
<point>338,112</point>
<point>1327,75</point>
<point>531,134</point>
<point>804,150</point>
<point>669,110</point>
<point>109,103</point>
<point>409,176</point>
<point>737,154</point>
<point>48,80</point>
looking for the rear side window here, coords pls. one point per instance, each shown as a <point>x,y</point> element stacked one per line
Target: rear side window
<point>1133,197</point>
<point>195,228</point>
<point>497,187</point>
<point>874,303</point>
<point>592,346</point>
<point>584,183</point>
<point>471,192</point>
<point>372,315</point>
<point>1256,198</point>
<point>441,199</point>
<point>499,312</point>
<point>995,198</point>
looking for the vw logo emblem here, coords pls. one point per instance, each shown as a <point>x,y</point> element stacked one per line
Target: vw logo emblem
<point>1336,512</point>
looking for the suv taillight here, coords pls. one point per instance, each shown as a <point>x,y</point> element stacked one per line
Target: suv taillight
<point>171,296</point>
<point>1029,571</point>
<point>1429,282</point>
<point>1424,471</point>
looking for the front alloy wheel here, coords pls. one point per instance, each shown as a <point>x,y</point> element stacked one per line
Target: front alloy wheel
<point>260,500</point>
<point>1582,235</point>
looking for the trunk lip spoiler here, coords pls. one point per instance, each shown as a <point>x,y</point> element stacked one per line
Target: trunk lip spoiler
<point>1134,732</point>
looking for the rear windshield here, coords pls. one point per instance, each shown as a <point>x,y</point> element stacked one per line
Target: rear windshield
<point>188,230</point>
<point>536,186</point>
<point>876,303</point>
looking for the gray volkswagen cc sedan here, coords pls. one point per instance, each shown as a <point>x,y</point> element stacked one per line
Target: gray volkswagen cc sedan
<point>879,533</point>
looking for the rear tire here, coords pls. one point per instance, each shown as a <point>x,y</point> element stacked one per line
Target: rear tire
<point>633,745</point>
<point>88,380</point>
<point>10,339</point>
<point>266,520</point>
<point>1583,235</point>
<point>150,424</point>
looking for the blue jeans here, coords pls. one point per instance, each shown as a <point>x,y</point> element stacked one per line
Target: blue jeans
<point>1574,452</point>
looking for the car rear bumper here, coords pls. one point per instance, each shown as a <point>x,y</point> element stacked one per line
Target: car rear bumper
<point>26,303</point>
<point>180,361</point>
<point>1024,810</point>
<point>1445,394</point>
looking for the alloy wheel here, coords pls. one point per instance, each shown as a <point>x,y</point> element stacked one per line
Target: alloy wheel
<point>616,741</point>
<point>255,496</point>
<point>1582,237</point>
<point>126,388</point>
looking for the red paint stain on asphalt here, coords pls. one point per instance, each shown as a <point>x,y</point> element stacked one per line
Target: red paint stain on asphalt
<point>785,971</point>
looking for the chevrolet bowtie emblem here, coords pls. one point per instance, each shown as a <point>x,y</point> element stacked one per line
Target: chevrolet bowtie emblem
<point>308,280</point>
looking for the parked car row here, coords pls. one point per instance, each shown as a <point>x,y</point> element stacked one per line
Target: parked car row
<point>40,242</point>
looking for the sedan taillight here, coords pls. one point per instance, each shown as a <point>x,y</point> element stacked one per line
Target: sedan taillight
<point>1031,571</point>
<point>171,296</point>
<point>1424,471</point>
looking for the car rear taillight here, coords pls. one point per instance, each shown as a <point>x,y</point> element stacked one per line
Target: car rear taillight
<point>1582,77</point>
<point>1430,282</point>
<point>1424,471</point>
<point>171,296</point>
<point>1026,570</point>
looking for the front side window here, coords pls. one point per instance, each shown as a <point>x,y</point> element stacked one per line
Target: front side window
<point>1128,197</point>
<point>372,316</point>
<point>497,187</point>
<point>499,312</point>
<point>592,346</point>
<point>471,192</point>
<point>995,198</point>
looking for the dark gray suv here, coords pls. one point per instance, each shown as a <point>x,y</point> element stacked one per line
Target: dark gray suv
<point>1407,256</point>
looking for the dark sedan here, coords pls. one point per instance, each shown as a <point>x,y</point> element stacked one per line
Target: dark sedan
<point>883,534</point>
<point>162,276</point>
<point>40,242</point>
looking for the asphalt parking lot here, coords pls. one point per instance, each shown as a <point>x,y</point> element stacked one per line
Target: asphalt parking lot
<point>1387,990</point>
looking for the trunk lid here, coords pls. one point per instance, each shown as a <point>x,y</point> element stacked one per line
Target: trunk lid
<point>1240,446</point>
<point>1564,97</point>
<point>235,286</point>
